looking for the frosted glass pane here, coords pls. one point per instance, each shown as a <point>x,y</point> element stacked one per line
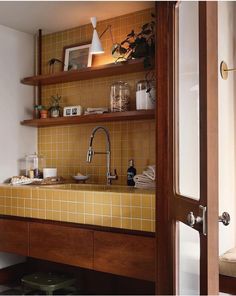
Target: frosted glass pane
<point>188,101</point>
<point>189,260</point>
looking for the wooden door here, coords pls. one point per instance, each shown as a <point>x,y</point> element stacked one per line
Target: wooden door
<point>187,38</point>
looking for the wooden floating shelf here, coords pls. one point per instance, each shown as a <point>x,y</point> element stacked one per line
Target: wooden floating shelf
<point>87,73</point>
<point>94,118</point>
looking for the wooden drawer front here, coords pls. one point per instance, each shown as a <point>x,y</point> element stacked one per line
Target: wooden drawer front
<point>124,254</point>
<point>62,244</point>
<point>14,237</point>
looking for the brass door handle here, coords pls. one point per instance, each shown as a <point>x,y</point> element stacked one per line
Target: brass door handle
<point>192,220</point>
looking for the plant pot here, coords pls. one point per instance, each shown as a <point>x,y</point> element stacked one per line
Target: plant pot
<point>44,114</point>
<point>54,113</point>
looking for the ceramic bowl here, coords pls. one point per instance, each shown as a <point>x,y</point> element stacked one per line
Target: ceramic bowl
<point>80,178</point>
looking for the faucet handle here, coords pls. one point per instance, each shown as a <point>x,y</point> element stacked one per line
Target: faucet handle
<point>115,175</point>
<point>112,177</point>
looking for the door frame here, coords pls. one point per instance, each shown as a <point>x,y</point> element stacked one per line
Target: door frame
<point>169,208</point>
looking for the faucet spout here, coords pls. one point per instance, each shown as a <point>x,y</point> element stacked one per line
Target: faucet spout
<point>91,152</point>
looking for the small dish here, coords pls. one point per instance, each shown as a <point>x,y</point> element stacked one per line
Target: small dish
<point>80,178</point>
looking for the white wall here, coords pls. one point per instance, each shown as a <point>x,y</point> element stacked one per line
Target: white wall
<point>227,123</point>
<point>16,101</point>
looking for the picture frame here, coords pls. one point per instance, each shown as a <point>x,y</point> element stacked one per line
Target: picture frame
<point>72,111</point>
<point>77,56</point>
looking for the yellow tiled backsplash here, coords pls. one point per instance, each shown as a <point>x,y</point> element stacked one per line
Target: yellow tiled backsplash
<point>129,209</point>
<point>65,147</point>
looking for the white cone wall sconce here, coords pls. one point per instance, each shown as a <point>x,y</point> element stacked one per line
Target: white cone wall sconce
<point>96,46</point>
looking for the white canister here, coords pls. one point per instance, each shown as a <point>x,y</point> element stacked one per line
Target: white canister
<point>49,172</point>
<point>145,95</point>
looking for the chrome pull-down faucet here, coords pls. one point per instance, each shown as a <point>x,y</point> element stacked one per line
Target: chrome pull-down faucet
<point>91,152</point>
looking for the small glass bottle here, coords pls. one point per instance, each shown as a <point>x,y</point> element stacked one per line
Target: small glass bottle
<point>34,166</point>
<point>120,96</point>
<point>131,172</point>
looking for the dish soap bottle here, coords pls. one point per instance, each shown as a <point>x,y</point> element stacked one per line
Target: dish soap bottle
<point>131,172</point>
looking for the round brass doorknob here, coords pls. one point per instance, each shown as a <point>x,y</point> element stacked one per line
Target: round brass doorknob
<point>225,218</point>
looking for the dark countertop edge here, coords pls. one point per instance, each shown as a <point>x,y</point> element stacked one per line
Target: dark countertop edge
<point>79,225</point>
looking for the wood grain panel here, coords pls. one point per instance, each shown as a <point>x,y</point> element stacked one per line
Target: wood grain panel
<point>87,73</point>
<point>67,245</point>
<point>227,284</point>
<point>14,237</point>
<point>126,255</point>
<point>106,117</point>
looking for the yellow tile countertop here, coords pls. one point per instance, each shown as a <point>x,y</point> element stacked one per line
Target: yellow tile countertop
<point>111,206</point>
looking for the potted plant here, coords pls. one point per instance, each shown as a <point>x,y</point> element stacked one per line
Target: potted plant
<point>43,111</point>
<point>55,107</point>
<point>139,45</point>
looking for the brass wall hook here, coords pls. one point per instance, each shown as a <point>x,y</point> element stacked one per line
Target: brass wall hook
<point>224,70</point>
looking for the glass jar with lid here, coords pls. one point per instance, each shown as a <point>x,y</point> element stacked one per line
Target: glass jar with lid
<point>34,166</point>
<point>145,95</point>
<point>120,96</point>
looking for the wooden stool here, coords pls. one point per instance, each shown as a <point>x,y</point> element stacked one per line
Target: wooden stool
<point>48,282</point>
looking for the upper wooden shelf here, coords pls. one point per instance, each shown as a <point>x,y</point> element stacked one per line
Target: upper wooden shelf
<point>87,73</point>
<point>113,116</point>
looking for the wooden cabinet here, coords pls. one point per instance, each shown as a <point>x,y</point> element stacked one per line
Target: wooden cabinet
<point>111,252</point>
<point>62,244</point>
<point>14,237</point>
<point>124,254</point>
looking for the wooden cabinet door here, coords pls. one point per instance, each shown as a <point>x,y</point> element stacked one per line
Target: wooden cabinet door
<point>123,254</point>
<point>14,237</point>
<point>68,245</point>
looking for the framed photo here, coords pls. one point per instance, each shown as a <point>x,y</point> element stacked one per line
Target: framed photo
<point>72,111</point>
<point>77,57</point>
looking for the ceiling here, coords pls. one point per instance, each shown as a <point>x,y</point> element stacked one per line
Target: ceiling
<point>53,16</point>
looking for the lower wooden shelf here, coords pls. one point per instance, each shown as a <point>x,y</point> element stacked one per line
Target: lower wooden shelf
<point>106,117</point>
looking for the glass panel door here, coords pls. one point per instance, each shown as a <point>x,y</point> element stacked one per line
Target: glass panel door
<point>187,97</point>
<point>189,258</point>
<point>187,144</point>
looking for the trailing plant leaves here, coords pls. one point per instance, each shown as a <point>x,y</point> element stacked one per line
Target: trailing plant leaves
<point>147,62</point>
<point>140,40</point>
<point>140,45</point>
<point>132,34</point>
<point>132,45</point>
<point>141,50</point>
<point>145,26</point>
<point>147,32</point>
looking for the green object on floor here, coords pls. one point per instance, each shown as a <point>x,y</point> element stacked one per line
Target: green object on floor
<point>48,282</point>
